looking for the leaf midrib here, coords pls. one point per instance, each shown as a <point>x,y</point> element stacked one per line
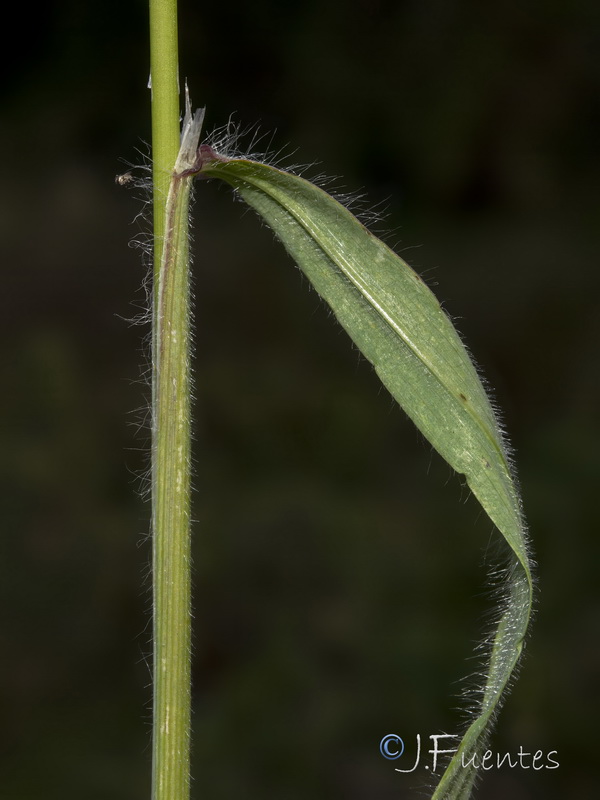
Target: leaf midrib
<point>349,272</point>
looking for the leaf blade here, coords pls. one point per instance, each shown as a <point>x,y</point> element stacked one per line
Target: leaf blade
<point>400,327</point>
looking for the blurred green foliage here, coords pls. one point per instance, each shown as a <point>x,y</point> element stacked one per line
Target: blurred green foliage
<point>329,607</point>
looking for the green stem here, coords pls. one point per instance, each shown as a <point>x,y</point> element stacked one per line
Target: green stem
<point>170,422</point>
<point>164,81</point>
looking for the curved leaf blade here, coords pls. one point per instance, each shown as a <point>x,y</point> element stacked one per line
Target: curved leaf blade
<point>400,327</point>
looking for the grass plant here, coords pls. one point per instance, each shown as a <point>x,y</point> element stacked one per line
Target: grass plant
<point>398,325</point>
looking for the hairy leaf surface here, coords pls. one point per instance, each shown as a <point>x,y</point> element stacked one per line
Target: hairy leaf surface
<point>399,326</point>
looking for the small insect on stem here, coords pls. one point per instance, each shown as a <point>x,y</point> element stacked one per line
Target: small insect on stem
<point>125,179</point>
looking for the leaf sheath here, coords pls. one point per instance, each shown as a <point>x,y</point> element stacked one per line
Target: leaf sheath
<point>171,468</point>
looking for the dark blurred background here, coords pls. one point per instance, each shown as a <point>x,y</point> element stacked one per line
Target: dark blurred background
<point>339,566</point>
